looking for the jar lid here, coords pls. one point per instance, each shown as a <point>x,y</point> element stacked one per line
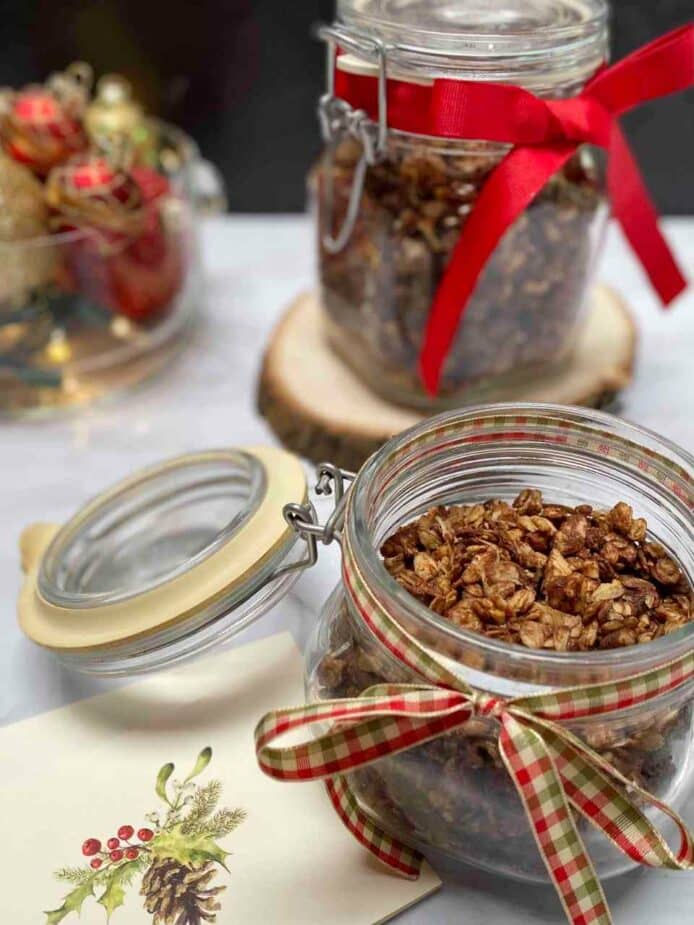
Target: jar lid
<point>175,559</point>
<point>541,44</point>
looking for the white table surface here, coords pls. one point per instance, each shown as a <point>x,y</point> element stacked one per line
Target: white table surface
<point>256,264</point>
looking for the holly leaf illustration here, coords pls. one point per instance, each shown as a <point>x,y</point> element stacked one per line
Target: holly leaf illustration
<point>118,878</point>
<point>187,849</point>
<point>163,776</point>
<point>203,760</point>
<point>72,903</point>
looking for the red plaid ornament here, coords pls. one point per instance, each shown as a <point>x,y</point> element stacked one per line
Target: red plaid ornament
<point>40,130</point>
<point>126,258</point>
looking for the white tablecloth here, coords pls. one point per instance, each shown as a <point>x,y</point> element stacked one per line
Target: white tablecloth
<point>207,399</point>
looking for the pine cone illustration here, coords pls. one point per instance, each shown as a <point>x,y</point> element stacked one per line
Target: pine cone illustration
<point>180,895</point>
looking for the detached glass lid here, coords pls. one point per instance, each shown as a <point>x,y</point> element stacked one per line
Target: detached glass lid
<point>167,563</point>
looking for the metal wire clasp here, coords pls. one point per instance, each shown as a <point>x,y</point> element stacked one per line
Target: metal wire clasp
<point>337,118</point>
<point>303,518</point>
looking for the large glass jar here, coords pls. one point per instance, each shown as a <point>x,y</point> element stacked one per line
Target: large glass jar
<point>453,796</point>
<point>380,267</point>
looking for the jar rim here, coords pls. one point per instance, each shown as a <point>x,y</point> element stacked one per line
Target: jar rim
<point>560,42</point>
<point>69,566</point>
<point>631,659</point>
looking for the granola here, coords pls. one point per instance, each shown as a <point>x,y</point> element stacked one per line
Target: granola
<point>545,576</point>
<point>378,290</point>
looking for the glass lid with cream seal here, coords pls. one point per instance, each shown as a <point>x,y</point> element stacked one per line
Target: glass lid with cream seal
<point>170,562</point>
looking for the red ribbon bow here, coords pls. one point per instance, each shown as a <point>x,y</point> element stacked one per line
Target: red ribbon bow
<point>545,135</point>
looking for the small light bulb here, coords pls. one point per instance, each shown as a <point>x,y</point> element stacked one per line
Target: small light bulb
<point>58,350</point>
<point>121,327</point>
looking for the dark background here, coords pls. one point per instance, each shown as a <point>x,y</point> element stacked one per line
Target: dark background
<point>243,77</point>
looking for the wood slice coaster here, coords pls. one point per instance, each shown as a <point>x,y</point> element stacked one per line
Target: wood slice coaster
<point>320,409</point>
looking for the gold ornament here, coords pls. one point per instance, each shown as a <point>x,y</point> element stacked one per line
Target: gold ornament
<point>25,263</point>
<point>114,117</point>
<point>113,110</point>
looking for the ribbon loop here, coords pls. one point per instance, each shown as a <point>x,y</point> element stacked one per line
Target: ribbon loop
<point>662,67</point>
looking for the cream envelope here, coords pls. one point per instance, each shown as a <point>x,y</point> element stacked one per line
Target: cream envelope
<point>210,836</point>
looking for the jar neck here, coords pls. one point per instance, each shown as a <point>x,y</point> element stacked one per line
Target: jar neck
<point>553,61</point>
<point>575,456</point>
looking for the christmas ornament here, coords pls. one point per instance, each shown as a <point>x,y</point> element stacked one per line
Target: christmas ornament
<point>126,258</point>
<point>93,192</point>
<point>114,116</point>
<point>23,217</point>
<point>41,125</point>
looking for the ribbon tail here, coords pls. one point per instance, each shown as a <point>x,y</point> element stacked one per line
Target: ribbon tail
<point>633,208</point>
<point>507,193</point>
<point>539,786</point>
<point>588,782</point>
<point>362,730</point>
<point>395,854</point>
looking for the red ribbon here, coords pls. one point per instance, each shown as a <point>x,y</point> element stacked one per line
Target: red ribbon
<point>545,134</point>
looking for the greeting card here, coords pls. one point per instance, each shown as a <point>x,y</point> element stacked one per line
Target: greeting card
<point>145,806</point>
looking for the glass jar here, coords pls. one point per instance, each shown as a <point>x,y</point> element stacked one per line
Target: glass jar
<point>182,556</point>
<point>79,320</point>
<point>452,796</point>
<point>383,255</point>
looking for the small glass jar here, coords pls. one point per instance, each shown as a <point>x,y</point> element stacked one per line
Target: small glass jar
<point>79,320</point>
<point>182,556</point>
<point>381,264</point>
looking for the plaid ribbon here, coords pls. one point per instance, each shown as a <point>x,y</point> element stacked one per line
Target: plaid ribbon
<point>553,771</point>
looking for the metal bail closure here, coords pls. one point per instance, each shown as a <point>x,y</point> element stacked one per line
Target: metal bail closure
<point>303,518</point>
<point>173,560</point>
<point>337,118</point>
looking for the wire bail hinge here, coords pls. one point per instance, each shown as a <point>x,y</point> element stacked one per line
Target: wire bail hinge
<point>303,518</point>
<point>337,119</point>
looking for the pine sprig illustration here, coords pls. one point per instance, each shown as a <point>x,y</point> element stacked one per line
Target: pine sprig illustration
<point>203,802</point>
<point>224,822</point>
<point>177,858</point>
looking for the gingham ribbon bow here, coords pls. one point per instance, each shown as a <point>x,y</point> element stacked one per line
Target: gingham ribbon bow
<point>553,770</point>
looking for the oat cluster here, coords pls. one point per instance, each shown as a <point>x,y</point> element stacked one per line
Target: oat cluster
<point>545,576</point>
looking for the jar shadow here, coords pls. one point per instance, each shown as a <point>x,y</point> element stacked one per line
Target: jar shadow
<point>181,702</point>
<point>538,902</point>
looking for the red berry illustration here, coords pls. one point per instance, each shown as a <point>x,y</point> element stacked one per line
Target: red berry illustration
<point>96,863</point>
<point>116,855</point>
<point>145,834</point>
<point>125,832</point>
<point>131,853</point>
<point>90,847</point>
<point>112,843</point>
